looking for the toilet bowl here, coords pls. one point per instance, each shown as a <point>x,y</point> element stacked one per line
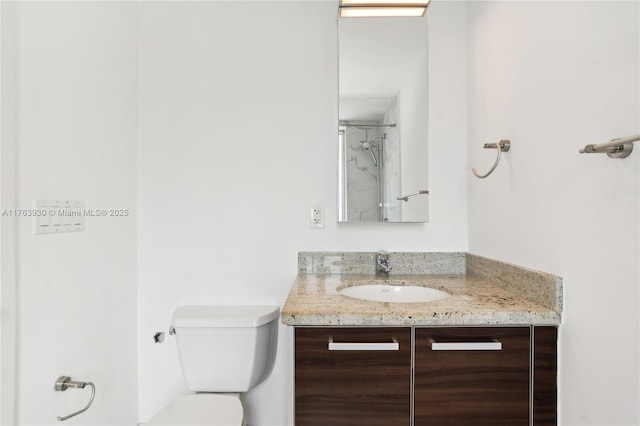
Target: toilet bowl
<point>223,351</point>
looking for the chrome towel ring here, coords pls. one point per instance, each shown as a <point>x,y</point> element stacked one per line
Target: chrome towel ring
<point>63,383</point>
<point>502,146</point>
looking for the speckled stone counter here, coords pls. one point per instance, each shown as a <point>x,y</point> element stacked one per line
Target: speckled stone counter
<point>483,292</point>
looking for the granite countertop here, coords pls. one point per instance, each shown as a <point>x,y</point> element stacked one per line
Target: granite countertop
<point>483,292</point>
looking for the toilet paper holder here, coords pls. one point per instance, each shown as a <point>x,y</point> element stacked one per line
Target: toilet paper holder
<point>63,383</point>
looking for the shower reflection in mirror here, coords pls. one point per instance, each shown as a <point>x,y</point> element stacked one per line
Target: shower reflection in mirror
<point>370,172</point>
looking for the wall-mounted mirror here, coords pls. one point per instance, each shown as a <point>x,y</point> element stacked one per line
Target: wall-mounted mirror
<point>383,120</point>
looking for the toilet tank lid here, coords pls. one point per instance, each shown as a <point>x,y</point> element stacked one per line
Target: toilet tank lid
<point>224,316</point>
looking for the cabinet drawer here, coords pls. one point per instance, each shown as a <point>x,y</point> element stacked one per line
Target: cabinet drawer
<point>352,376</point>
<point>472,376</point>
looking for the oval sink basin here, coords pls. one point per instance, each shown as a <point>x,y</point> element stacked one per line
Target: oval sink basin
<point>394,293</point>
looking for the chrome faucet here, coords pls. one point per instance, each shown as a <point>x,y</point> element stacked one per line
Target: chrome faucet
<point>383,267</point>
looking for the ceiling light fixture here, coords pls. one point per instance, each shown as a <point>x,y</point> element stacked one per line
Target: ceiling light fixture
<point>382,8</point>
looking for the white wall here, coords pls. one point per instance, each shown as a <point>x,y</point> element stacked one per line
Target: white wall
<point>74,85</point>
<point>552,77</point>
<point>448,184</point>
<point>7,224</point>
<point>237,138</point>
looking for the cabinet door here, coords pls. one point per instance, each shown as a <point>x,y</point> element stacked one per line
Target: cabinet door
<point>352,376</point>
<point>472,376</point>
<point>545,371</point>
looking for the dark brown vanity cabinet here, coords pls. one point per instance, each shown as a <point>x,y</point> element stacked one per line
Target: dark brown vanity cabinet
<point>544,376</point>
<point>352,376</point>
<point>454,376</point>
<point>472,376</point>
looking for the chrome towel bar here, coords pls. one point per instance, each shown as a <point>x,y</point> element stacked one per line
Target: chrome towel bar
<point>406,197</point>
<point>63,383</point>
<point>615,148</point>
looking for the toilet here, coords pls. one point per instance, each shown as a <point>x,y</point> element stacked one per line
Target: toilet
<point>224,351</point>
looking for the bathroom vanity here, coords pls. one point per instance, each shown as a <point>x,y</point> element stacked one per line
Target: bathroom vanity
<point>484,355</point>
<point>460,385</point>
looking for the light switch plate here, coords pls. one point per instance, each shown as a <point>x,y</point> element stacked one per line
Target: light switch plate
<point>55,216</point>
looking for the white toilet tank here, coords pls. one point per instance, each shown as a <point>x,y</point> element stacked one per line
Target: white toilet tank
<point>226,348</point>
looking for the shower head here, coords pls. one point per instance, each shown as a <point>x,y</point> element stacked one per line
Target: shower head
<point>368,147</point>
<point>374,140</point>
<point>365,144</point>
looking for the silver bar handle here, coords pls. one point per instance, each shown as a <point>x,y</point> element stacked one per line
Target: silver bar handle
<point>63,383</point>
<point>466,346</point>
<point>391,346</point>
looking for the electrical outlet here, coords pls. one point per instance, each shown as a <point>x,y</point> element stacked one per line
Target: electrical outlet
<point>316,216</point>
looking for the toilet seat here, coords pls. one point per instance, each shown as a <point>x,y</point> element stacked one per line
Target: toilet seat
<point>202,409</point>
